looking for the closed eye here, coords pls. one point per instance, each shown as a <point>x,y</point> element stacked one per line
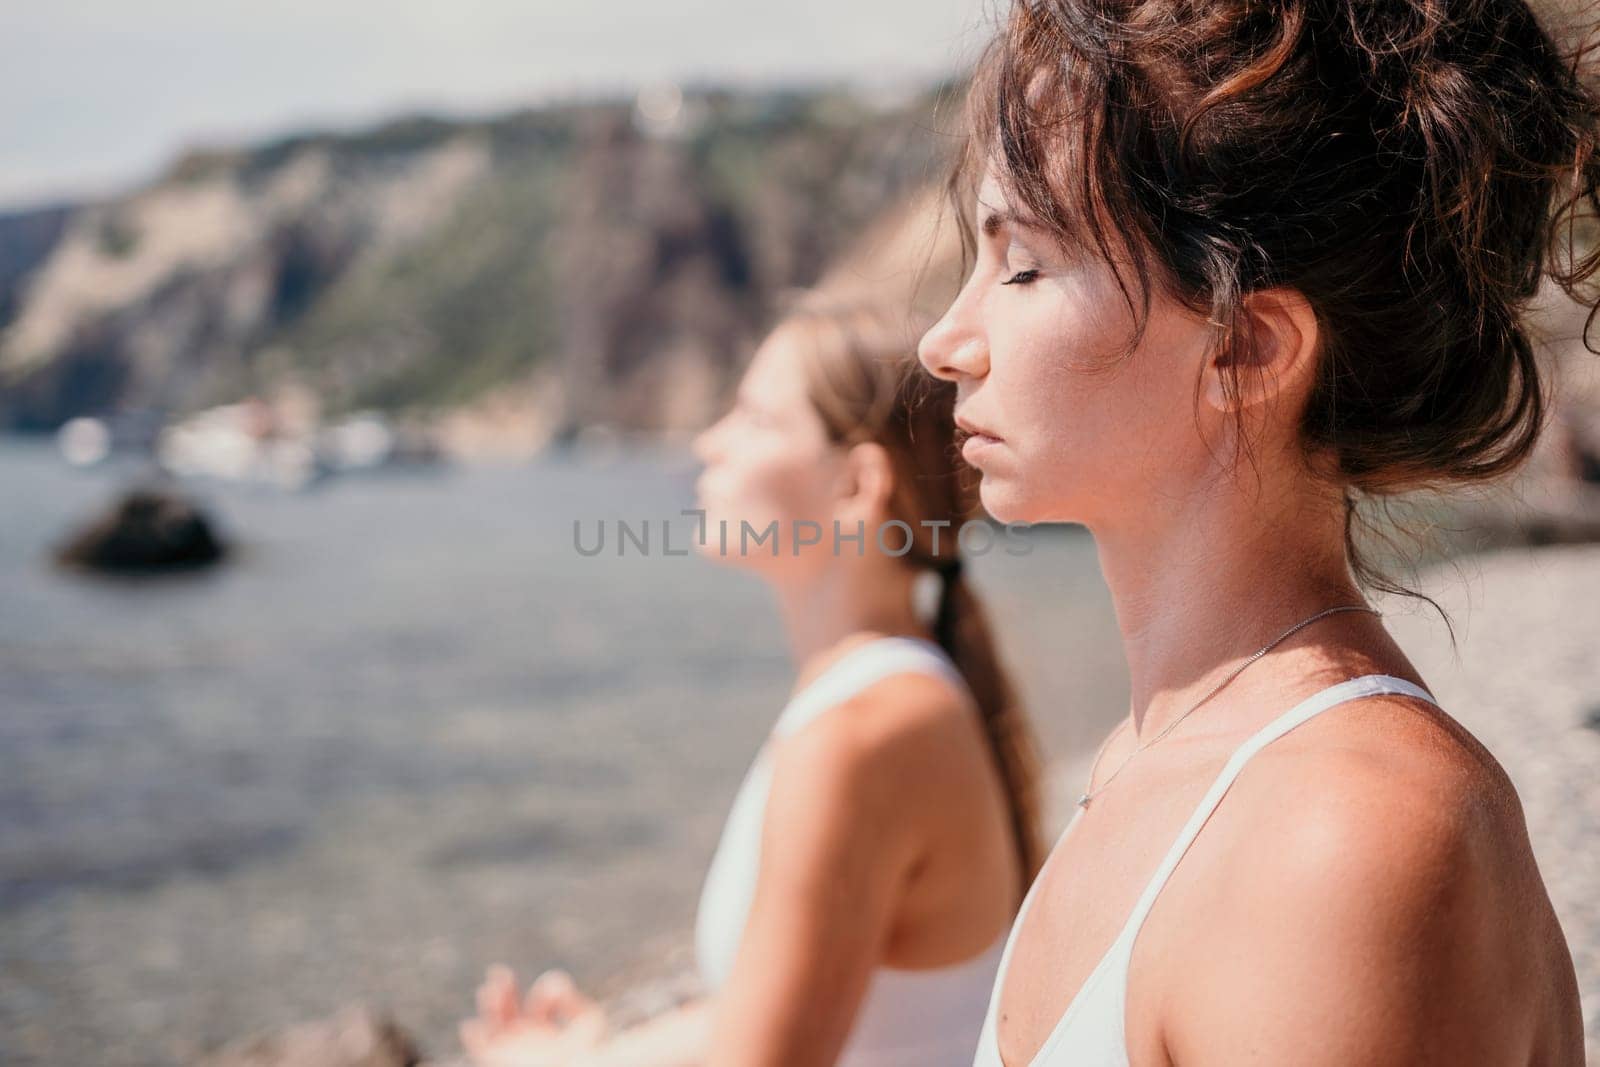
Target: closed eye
<point>1022,277</point>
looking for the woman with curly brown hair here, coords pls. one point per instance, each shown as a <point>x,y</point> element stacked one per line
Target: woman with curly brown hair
<point>1240,266</point>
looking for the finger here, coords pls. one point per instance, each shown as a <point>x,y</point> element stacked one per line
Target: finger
<point>575,1004</point>
<point>565,1003</point>
<point>555,978</point>
<point>551,996</point>
<point>474,1037</point>
<point>497,997</point>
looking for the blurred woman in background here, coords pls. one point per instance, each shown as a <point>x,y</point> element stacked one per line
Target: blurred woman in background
<point>878,847</point>
<point>1302,234</point>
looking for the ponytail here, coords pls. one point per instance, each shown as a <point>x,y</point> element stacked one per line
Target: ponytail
<point>866,385</point>
<point>961,627</point>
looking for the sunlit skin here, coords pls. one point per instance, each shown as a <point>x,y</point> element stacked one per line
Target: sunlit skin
<point>896,843</point>
<point>769,460</point>
<point>1365,894</point>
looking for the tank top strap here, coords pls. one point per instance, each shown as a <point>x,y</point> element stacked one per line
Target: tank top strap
<point>858,668</point>
<point>1351,689</point>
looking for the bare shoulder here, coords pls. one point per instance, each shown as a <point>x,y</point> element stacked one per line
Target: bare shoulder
<point>1385,777</point>
<point>885,726</point>
<point>1388,800</point>
<point>1378,858</point>
<point>878,744</point>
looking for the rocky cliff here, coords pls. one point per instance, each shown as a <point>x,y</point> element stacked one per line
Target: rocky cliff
<point>620,257</point>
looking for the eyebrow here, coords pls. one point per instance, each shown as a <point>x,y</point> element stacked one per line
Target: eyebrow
<point>996,219</point>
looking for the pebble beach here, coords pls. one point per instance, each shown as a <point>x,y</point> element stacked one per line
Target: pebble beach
<point>1525,679</point>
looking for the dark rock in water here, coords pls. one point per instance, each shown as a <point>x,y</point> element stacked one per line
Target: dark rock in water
<point>147,529</point>
<point>355,1037</point>
<point>1592,719</point>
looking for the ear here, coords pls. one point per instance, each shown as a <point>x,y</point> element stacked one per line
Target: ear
<point>1280,363</point>
<point>869,479</point>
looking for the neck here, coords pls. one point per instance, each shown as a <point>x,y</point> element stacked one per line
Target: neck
<point>826,614</point>
<point>1215,578</point>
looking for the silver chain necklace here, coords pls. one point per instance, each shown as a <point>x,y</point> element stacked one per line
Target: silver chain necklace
<point>1083,801</point>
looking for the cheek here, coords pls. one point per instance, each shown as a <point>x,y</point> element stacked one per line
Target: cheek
<point>1063,398</point>
<point>1093,428</point>
<point>762,480</point>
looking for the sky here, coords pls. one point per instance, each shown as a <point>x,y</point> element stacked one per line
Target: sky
<point>102,93</point>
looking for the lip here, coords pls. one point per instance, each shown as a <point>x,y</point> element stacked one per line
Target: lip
<point>979,440</point>
<point>973,448</point>
<point>975,430</point>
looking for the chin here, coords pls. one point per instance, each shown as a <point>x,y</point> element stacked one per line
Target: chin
<point>709,550</point>
<point>1008,502</point>
<point>712,548</point>
<point>1001,499</point>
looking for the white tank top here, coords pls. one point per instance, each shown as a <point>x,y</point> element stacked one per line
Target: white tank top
<point>920,1018</point>
<point>1090,1032</point>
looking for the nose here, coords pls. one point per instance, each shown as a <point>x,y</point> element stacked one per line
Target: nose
<point>954,347</point>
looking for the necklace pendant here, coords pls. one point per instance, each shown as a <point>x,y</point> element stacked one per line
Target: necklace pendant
<point>1083,801</point>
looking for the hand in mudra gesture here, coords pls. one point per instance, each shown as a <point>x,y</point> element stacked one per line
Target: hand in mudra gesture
<point>555,1025</point>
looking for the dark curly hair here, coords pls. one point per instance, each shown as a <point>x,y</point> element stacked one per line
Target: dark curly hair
<point>1413,168</point>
